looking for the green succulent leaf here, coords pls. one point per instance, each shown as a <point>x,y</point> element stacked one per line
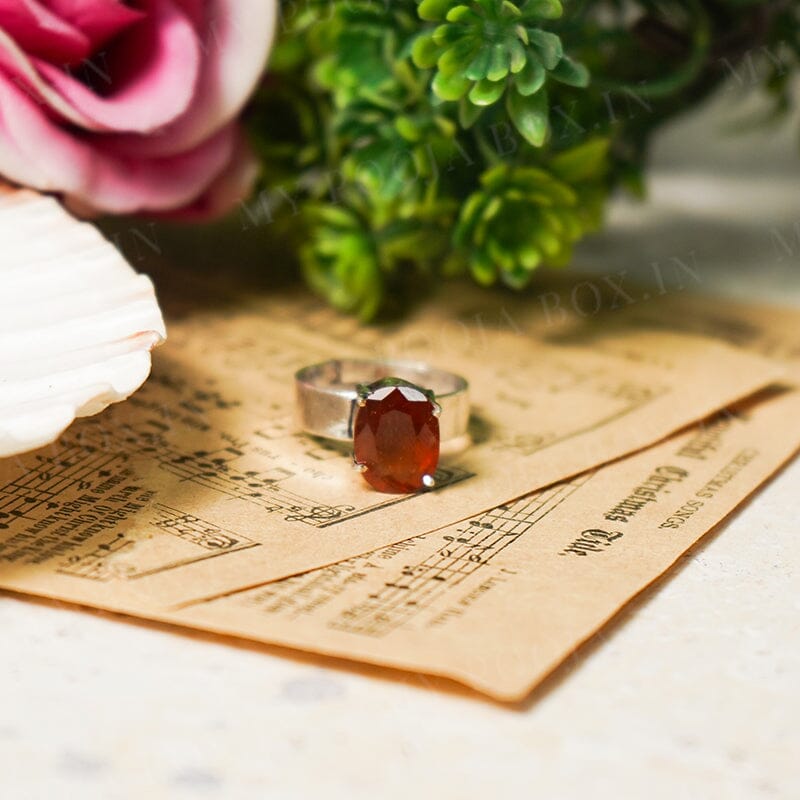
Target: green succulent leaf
<point>433,10</point>
<point>517,56</point>
<point>450,87</point>
<point>407,128</point>
<point>585,162</point>
<point>448,34</point>
<point>483,268</point>
<point>453,59</point>
<point>425,51</point>
<point>547,46</point>
<point>544,9</point>
<point>462,13</point>
<point>500,62</point>
<point>532,77</point>
<point>571,72</point>
<point>530,116</point>
<point>479,66</point>
<point>468,113</point>
<point>486,92</point>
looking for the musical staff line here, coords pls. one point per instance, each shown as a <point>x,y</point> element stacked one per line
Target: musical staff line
<point>476,543</point>
<point>75,465</point>
<point>215,470</point>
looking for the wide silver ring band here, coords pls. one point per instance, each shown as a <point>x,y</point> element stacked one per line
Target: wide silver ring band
<point>326,395</point>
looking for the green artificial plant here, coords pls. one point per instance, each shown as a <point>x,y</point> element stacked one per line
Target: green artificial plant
<point>404,142</point>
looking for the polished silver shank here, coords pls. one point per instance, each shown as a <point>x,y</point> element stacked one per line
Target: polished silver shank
<point>327,396</point>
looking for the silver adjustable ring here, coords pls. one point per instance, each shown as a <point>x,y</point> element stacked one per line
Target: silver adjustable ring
<point>396,413</point>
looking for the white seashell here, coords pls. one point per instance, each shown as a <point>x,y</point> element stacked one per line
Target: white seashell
<point>77,324</point>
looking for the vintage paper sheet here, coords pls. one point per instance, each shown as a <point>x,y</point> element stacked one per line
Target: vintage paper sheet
<point>771,331</point>
<point>200,485</point>
<point>135,510</point>
<point>605,310</point>
<point>499,600</point>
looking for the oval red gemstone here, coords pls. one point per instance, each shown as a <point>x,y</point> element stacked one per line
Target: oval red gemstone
<point>396,439</point>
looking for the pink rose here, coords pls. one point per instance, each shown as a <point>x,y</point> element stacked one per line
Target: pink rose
<point>130,106</point>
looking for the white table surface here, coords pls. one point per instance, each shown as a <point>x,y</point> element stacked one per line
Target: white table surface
<point>693,693</point>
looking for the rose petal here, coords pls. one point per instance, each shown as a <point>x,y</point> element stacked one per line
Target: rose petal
<point>152,72</point>
<point>195,10</point>
<point>237,40</point>
<point>36,152</point>
<point>16,63</point>
<point>42,33</point>
<point>98,20</point>
<point>234,184</point>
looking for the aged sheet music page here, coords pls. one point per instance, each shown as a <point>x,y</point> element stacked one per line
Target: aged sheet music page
<point>499,600</point>
<point>186,503</point>
<point>200,484</point>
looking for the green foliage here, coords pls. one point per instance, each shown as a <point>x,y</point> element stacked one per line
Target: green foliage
<point>420,140</point>
<point>484,50</point>
<point>358,257</point>
<point>523,217</point>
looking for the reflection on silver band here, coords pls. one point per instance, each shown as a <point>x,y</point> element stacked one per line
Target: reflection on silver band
<point>326,394</point>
